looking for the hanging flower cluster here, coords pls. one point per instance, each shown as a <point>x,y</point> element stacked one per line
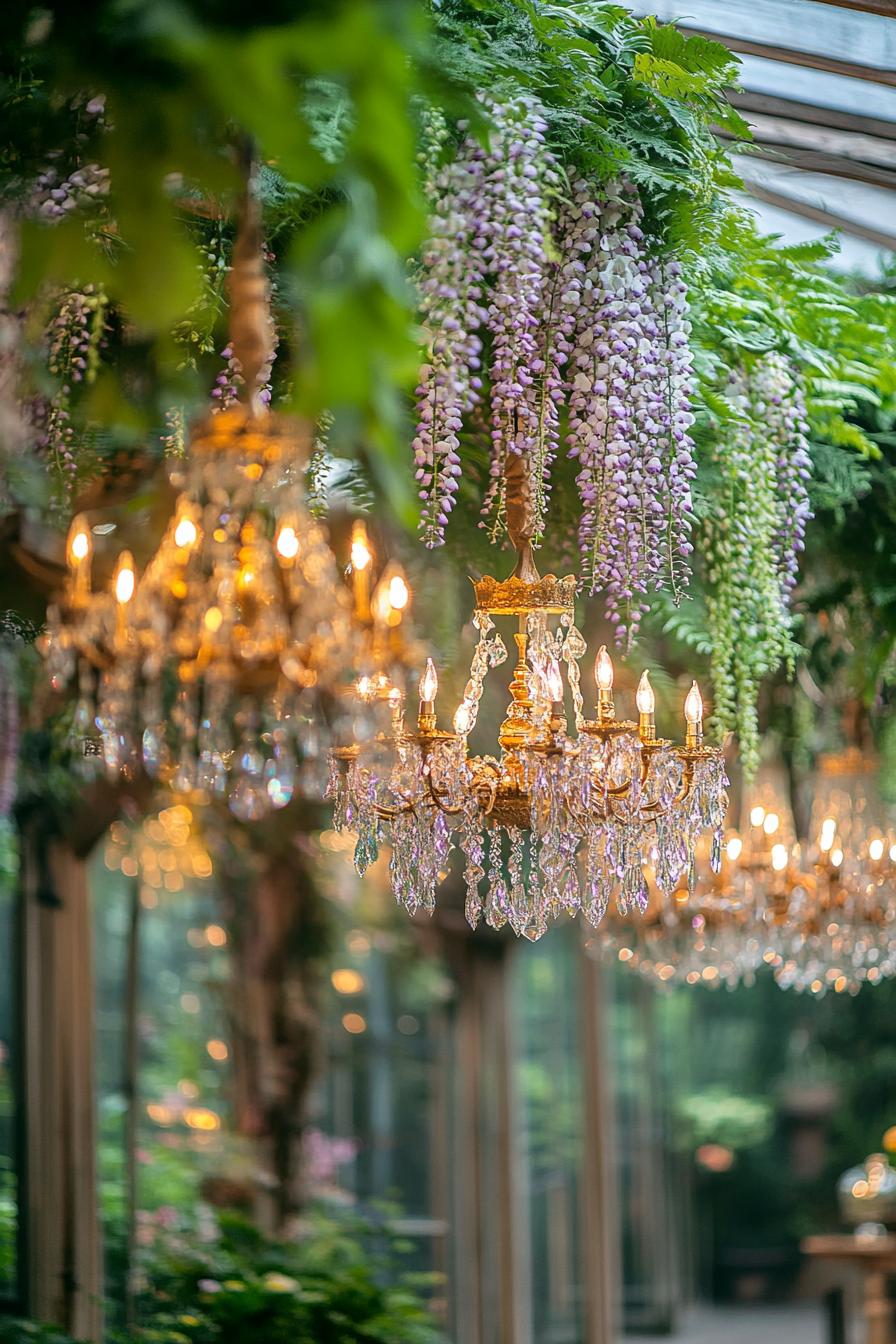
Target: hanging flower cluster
<point>567,306</point>
<point>74,338</point>
<point>753,536</point>
<point>629,413</point>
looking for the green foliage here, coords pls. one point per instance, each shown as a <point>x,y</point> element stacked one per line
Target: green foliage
<point>339,1282</point>
<point>719,1116</point>
<point>623,96</point>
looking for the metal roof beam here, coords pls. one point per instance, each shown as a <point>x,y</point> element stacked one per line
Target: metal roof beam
<point>825,217</point>
<point>767,104</point>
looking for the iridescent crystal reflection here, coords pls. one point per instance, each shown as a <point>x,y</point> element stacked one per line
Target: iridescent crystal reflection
<point>220,667</point>
<point>821,915</point>
<point>557,824</point>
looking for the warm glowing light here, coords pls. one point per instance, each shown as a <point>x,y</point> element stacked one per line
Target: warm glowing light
<point>159,1114</point>
<point>361,553</point>
<point>463,718</point>
<point>757,816</point>
<point>429,683</point>
<point>354,1023</point>
<point>217,1050</point>
<point>836,857</point>
<point>215,936</point>
<point>79,544</point>
<point>645,698</point>
<point>125,578</point>
<point>347,981</point>
<point>779,858</point>
<point>771,823</point>
<point>185,532</point>
<point>200,1117</point>
<point>828,832</point>
<point>399,592</point>
<point>714,1157</point>
<point>734,847</point>
<point>554,681</point>
<point>287,542</point>
<point>693,705</point>
<point>603,669</point>
<point>860,1189</point>
<point>876,849</point>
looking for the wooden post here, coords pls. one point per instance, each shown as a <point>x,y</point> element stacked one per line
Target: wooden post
<point>600,1213</point>
<point>64,1261</point>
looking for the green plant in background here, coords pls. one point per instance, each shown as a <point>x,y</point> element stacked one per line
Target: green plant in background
<point>719,1116</point>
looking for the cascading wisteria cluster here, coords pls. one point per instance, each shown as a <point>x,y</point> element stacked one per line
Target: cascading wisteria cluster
<point>557,287</point>
<point>74,339</point>
<point>753,537</point>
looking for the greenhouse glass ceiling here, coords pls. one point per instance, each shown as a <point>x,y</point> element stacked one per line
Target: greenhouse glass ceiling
<point>818,87</point>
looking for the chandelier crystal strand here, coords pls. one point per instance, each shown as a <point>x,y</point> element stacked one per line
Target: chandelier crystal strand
<point>220,667</point>
<point>606,803</point>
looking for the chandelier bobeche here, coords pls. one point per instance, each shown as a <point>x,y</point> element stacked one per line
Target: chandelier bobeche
<point>217,667</point>
<point>555,824</point>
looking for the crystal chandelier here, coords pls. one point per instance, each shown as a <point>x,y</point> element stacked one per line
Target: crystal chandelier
<point>820,916</point>
<point>555,824</point>
<point>218,668</point>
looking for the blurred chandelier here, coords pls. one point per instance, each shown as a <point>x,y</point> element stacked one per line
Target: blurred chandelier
<point>615,793</point>
<point>820,916</point>
<point>217,665</point>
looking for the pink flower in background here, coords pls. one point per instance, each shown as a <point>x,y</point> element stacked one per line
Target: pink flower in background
<point>325,1155</point>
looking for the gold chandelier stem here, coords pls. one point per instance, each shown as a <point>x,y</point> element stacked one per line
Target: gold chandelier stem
<point>251,328</point>
<point>520,516</point>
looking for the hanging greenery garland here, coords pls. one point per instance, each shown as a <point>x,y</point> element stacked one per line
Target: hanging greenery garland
<point>753,533</point>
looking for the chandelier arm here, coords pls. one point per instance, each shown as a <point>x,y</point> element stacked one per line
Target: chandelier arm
<point>251,327</point>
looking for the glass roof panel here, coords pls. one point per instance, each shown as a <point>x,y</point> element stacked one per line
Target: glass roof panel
<point>801,25</point>
<point>817,87</point>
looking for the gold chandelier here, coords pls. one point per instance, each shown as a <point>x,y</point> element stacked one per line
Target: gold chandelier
<point>555,824</point>
<point>221,668</point>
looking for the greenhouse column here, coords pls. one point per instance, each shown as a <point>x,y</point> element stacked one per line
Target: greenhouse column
<point>64,1273</point>
<point>600,1221</point>
<point>491,1228</point>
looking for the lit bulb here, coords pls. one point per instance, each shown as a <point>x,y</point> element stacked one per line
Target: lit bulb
<point>603,669</point>
<point>361,552</point>
<point>463,718</point>
<point>645,698</point>
<point>734,847</point>
<point>836,857</point>
<point>125,578</point>
<point>79,544</point>
<point>287,542</point>
<point>876,849</point>
<point>185,532</point>
<point>554,681</point>
<point>757,816</point>
<point>429,683</point>
<point>770,825</point>
<point>828,831</point>
<point>399,592</point>
<point>693,704</point>
<point>779,858</point>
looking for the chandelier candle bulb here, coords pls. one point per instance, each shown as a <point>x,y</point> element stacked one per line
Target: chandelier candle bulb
<point>79,552</point>
<point>693,713</point>
<point>429,687</point>
<point>646,702</point>
<point>603,675</point>
<point>123,584</point>
<point>286,542</point>
<point>361,557</point>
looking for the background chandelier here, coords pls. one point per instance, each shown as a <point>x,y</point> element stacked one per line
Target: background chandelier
<point>612,798</point>
<point>218,666</point>
<point>820,916</point>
